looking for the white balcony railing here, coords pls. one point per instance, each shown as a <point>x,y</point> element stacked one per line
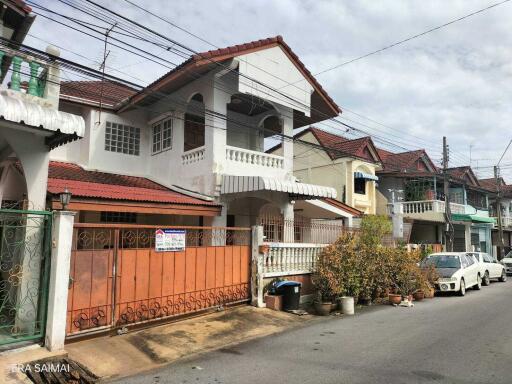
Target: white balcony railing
<point>193,156</point>
<point>505,221</point>
<point>426,206</point>
<point>290,258</point>
<point>246,156</point>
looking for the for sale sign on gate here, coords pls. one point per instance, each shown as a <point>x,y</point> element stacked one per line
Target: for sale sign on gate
<point>170,240</point>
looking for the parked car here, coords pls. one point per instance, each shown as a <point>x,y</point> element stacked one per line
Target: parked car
<point>457,271</point>
<point>507,263</point>
<point>489,268</point>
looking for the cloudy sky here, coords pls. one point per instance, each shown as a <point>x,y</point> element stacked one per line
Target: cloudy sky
<point>455,81</point>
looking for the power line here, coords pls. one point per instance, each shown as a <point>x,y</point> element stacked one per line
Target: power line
<point>385,141</point>
<point>411,37</point>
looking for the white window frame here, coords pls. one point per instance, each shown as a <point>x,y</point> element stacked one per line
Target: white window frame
<point>122,138</point>
<point>162,136</point>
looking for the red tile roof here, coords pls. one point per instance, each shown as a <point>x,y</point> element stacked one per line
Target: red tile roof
<point>404,161</point>
<point>237,50</point>
<point>92,92</point>
<point>341,146</point>
<point>101,185</point>
<point>464,173</point>
<point>21,5</point>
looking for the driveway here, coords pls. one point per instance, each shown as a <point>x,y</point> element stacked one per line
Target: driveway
<point>443,340</point>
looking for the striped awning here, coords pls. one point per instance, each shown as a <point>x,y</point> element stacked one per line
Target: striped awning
<point>237,184</point>
<point>366,176</point>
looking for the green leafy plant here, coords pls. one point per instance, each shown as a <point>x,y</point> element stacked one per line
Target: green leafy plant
<point>373,229</point>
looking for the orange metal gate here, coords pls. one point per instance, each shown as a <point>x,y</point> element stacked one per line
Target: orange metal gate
<point>118,278</point>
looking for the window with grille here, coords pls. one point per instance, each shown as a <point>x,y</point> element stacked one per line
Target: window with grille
<point>118,217</point>
<point>162,136</point>
<point>122,138</point>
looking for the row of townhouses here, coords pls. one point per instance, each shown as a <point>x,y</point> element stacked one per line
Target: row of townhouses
<point>123,205</point>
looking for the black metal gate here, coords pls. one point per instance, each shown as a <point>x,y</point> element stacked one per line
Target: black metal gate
<point>25,246</point>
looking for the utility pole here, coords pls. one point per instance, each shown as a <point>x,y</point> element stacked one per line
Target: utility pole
<point>498,202</point>
<point>447,212</point>
<point>498,209</point>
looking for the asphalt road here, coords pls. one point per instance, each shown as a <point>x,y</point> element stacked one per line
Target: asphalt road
<point>443,340</point>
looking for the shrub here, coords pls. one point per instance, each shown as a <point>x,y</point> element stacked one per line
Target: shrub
<point>358,266</point>
<point>337,271</point>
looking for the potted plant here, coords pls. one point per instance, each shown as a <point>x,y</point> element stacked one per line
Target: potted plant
<point>322,305</point>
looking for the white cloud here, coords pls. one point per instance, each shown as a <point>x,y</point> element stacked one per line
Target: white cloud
<point>454,82</point>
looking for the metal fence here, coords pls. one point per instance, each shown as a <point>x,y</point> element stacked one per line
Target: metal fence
<point>302,230</point>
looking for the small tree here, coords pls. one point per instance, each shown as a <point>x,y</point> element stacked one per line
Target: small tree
<point>373,229</point>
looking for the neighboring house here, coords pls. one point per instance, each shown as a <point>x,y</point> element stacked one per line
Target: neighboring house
<point>199,131</point>
<point>506,210</point>
<point>348,166</point>
<point>411,187</point>
<point>30,126</point>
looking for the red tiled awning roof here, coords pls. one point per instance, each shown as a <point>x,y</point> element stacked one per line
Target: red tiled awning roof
<point>91,92</point>
<point>101,185</point>
<point>344,207</point>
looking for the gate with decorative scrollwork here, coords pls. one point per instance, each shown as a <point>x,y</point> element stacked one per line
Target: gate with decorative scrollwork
<point>118,278</point>
<point>25,248</point>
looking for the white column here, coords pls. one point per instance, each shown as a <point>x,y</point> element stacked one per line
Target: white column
<point>218,235</point>
<point>216,125</point>
<point>287,121</point>
<point>257,267</point>
<point>52,86</point>
<point>398,220</point>
<point>62,238</point>
<point>288,216</point>
<point>467,236</point>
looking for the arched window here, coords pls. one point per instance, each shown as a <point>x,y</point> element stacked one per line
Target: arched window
<point>194,123</point>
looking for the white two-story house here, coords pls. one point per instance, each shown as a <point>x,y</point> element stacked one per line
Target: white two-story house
<point>198,135</point>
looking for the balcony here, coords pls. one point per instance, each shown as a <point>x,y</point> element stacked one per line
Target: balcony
<point>193,156</point>
<point>432,210</point>
<point>246,162</point>
<point>506,222</point>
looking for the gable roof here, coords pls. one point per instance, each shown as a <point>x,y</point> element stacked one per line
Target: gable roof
<point>102,185</point>
<point>405,161</point>
<point>93,92</point>
<point>464,173</point>
<point>339,146</point>
<point>205,61</point>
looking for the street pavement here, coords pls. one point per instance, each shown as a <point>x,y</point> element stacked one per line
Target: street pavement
<point>448,339</point>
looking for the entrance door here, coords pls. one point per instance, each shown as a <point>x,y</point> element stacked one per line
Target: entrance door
<point>24,267</point>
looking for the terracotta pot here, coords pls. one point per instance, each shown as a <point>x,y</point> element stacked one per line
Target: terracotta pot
<point>419,295</point>
<point>323,309</point>
<point>394,298</point>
